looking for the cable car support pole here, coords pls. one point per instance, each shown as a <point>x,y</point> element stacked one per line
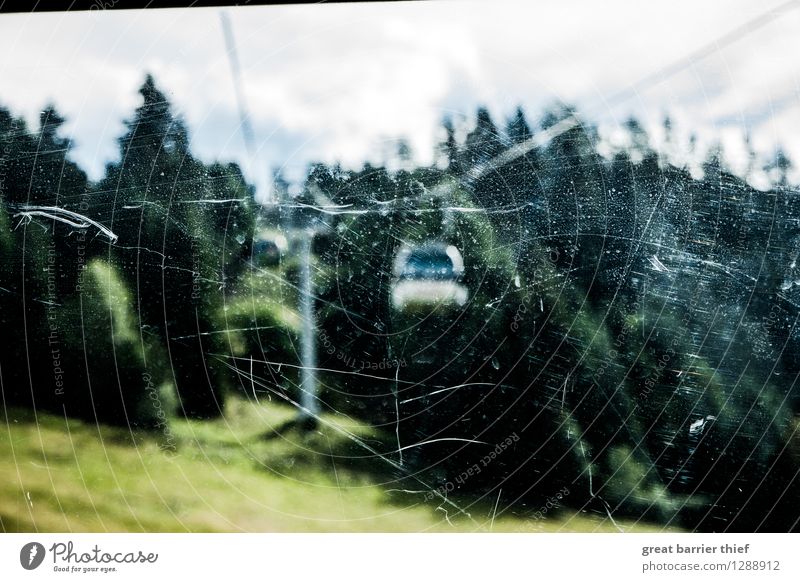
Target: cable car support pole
<point>309,405</point>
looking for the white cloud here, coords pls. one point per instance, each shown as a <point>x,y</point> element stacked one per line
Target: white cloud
<point>335,82</point>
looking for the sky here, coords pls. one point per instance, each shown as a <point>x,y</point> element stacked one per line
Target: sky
<point>343,83</point>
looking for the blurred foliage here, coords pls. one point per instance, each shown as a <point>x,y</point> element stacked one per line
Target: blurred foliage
<point>631,321</point>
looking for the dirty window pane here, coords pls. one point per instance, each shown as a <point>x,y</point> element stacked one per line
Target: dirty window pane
<point>405,267</point>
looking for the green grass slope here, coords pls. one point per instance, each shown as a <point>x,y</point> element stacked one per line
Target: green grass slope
<point>248,471</point>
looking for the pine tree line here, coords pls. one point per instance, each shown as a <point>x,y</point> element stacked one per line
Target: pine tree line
<point>633,324</point>
<point>630,323</point>
<point>115,329</point>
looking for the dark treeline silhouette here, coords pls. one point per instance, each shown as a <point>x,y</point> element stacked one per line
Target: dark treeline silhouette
<point>632,324</point>
<point>107,329</point>
<point>630,330</point>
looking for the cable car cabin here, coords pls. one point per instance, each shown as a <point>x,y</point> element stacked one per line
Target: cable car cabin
<point>268,248</point>
<point>428,275</point>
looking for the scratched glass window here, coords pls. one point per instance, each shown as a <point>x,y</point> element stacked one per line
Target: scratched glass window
<point>406,267</point>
